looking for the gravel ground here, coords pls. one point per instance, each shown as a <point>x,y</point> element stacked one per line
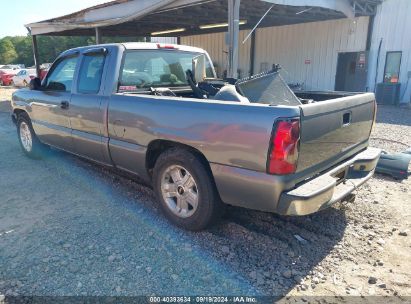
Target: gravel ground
<point>68,227</point>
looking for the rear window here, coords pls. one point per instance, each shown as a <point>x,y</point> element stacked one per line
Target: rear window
<point>143,69</point>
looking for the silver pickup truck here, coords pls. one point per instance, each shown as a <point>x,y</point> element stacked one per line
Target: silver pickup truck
<point>159,112</point>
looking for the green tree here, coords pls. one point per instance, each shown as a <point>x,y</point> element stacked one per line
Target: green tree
<point>18,49</point>
<point>24,50</point>
<point>7,51</point>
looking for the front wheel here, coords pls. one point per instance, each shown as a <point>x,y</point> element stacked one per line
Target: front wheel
<point>185,190</point>
<point>29,142</point>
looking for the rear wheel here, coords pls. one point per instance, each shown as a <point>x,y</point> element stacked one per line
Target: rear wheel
<point>185,190</point>
<point>29,142</point>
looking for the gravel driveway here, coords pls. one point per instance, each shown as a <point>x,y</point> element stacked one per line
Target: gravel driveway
<point>68,227</point>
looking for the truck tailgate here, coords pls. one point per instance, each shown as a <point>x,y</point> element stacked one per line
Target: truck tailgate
<point>334,129</point>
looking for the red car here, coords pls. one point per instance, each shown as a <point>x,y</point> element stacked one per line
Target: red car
<point>6,78</point>
<point>43,73</point>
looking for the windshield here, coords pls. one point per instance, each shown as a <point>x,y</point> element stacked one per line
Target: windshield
<point>143,69</point>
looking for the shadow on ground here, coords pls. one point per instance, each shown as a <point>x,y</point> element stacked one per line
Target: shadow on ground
<point>272,253</point>
<point>5,106</point>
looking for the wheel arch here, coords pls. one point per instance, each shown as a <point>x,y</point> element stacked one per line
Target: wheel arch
<point>159,146</point>
<point>16,113</point>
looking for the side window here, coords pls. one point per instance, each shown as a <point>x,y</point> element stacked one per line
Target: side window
<point>91,71</point>
<point>61,76</point>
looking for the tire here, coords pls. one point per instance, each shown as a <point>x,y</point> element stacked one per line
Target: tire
<point>196,182</point>
<point>28,140</point>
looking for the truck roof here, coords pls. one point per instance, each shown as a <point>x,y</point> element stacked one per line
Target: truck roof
<point>154,45</point>
<point>141,46</point>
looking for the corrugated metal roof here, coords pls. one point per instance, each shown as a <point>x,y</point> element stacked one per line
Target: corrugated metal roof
<point>142,17</point>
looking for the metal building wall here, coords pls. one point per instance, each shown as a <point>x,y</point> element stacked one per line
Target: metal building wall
<point>307,52</point>
<point>164,39</point>
<point>392,24</point>
<point>216,46</point>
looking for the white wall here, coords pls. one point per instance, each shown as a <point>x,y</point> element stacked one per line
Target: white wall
<point>164,39</point>
<point>215,45</point>
<point>392,24</point>
<point>317,43</point>
<point>291,46</point>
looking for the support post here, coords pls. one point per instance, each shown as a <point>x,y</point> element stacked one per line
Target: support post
<point>35,54</point>
<point>252,54</point>
<point>98,35</point>
<point>233,32</point>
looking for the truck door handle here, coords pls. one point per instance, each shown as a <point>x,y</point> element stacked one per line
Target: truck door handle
<point>346,119</point>
<point>64,104</point>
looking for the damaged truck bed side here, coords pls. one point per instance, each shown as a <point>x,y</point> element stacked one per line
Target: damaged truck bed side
<point>159,112</point>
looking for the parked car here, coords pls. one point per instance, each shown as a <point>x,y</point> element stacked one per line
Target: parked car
<point>44,68</point>
<point>6,78</point>
<point>23,77</point>
<point>9,68</point>
<point>158,112</point>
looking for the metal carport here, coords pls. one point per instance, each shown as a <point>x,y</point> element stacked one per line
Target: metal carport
<point>185,17</point>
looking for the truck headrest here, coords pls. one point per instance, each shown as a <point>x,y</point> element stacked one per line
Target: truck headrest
<point>230,93</point>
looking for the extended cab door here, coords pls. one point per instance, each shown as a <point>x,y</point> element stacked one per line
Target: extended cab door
<point>50,105</point>
<point>88,107</point>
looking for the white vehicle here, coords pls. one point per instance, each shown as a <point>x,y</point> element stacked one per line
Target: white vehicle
<point>23,77</point>
<point>9,68</point>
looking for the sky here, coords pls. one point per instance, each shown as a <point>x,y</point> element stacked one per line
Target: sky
<point>16,13</point>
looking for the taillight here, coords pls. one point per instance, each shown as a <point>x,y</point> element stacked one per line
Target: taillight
<point>165,46</point>
<point>283,153</point>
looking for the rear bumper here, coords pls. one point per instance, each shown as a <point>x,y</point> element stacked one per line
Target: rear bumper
<point>330,187</point>
<point>261,191</point>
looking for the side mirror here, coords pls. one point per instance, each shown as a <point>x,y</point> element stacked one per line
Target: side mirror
<point>35,84</point>
<point>198,68</point>
<point>56,86</point>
